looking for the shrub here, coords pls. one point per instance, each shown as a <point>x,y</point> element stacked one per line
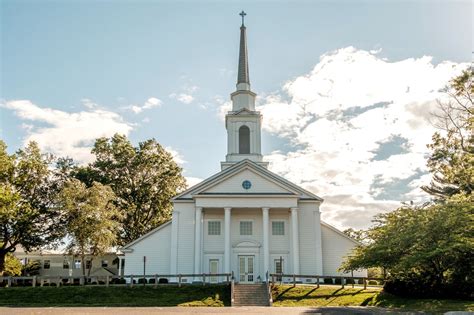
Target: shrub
<point>350,281</point>
<point>163,280</point>
<point>142,281</point>
<point>360,281</point>
<point>328,281</point>
<point>151,281</point>
<point>338,281</point>
<point>372,282</point>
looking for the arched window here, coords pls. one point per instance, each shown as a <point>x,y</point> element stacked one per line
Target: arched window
<point>244,140</point>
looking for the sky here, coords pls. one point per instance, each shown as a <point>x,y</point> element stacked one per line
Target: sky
<point>346,88</point>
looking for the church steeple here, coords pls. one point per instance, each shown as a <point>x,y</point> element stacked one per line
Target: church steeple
<point>243,123</point>
<point>243,75</point>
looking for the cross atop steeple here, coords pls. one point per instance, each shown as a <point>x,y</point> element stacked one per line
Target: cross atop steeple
<point>243,14</point>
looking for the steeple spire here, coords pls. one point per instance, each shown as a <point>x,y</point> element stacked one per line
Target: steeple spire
<point>243,75</point>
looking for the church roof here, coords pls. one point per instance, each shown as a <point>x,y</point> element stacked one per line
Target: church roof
<point>282,186</point>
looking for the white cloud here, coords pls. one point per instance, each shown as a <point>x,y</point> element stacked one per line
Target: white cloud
<point>186,96</point>
<point>345,111</point>
<point>67,134</point>
<point>177,156</point>
<point>149,103</point>
<point>191,181</point>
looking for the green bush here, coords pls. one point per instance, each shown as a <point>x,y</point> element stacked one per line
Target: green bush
<point>372,282</point>
<point>142,281</point>
<point>338,281</point>
<point>328,281</point>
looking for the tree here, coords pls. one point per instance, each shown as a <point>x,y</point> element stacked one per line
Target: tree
<point>91,219</point>
<point>452,158</point>
<point>28,185</point>
<point>12,266</point>
<point>432,243</point>
<point>143,178</point>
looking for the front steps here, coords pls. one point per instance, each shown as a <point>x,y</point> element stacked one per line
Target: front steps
<point>250,295</point>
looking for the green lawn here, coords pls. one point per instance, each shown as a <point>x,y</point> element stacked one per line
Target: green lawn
<point>286,295</point>
<point>210,295</point>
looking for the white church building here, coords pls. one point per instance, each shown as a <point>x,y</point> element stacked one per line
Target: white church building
<point>244,219</point>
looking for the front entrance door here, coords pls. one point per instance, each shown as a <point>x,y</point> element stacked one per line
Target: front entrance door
<point>246,267</point>
<point>213,269</point>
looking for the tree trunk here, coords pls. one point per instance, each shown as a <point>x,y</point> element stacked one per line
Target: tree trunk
<point>3,255</point>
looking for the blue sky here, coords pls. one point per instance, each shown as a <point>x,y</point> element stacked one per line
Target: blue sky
<point>72,71</point>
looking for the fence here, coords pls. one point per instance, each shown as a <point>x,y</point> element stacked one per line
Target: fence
<point>127,280</point>
<point>343,280</point>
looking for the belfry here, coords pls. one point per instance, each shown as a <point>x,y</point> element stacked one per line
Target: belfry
<point>243,123</point>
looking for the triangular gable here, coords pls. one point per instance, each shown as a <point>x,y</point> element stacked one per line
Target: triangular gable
<point>228,181</point>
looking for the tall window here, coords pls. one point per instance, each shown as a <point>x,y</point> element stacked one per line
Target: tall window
<point>46,264</point>
<point>278,228</point>
<point>244,140</point>
<point>245,227</point>
<point>214,228</point>
<point>77,264</point>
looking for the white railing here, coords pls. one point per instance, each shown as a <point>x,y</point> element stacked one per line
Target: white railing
<point>128,280</point>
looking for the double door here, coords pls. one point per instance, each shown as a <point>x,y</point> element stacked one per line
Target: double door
<point>246,268</point>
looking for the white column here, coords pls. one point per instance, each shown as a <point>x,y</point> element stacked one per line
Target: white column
<point>266,246</point>
<point>227,240</point>
<point>197,241</point>
<point>174,243</point>
<point>318,241</point>
<point>120,266</point>
<point>295,240</point>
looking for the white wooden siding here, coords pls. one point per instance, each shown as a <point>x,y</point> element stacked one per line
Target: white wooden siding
<point>335,248</point>
<point>156,248</point>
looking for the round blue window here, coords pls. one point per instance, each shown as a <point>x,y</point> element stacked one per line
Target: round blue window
<point>246,184</point>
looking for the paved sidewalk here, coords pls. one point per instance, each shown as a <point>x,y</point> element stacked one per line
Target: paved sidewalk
<point>200,310</point>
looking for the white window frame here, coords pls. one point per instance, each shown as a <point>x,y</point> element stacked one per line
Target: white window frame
<point>240,229</point>
<point>284,227</point>
<point>77,264</point>
<point>220,227</point>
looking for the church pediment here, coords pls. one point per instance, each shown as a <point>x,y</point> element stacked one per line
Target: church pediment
<point>245,179</point>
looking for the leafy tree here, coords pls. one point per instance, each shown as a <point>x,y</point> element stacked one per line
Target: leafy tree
<point>28,185</point>
<point>91,219</point>
<point>12,266</point>
<point>452,158</point>
<point>143,178</point>
<point>358,235</point>
<point>432,243</point>
<point>32,268</point>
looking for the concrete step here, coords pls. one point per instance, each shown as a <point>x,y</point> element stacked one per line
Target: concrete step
<point>250,295</point>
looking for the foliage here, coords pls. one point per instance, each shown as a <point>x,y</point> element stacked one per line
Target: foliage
<point>32,268</point>
<point>452,158</point>
<point>91,218</point>
<point>144,179</point>
<point>358,235</point>
<point>28,186</point>
<point>433,243</point>
<point>12,266</point>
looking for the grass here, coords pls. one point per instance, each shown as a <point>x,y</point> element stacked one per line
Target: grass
<point>286,295</point>
<point>210,295</point>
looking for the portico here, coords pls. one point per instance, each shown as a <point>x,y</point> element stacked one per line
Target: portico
<point>222,235</point>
